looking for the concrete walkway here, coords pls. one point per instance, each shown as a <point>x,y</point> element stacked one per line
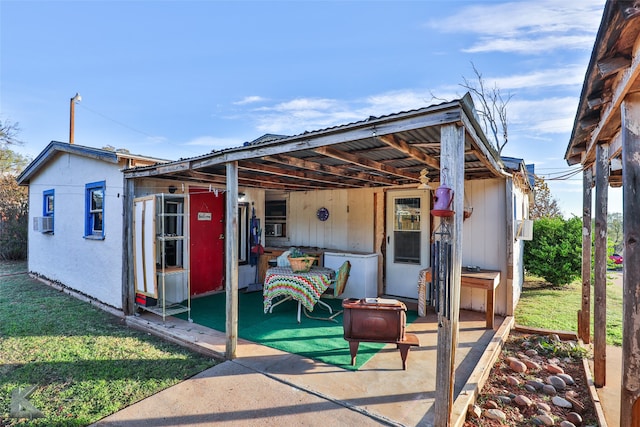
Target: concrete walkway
<point>264,386</point>
<point>610,394</point>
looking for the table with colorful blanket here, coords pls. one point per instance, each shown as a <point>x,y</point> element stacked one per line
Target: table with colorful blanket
<point>305,288</point>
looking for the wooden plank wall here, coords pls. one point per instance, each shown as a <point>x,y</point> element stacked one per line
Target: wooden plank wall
<point>484,241</point>
<point>349,227</point>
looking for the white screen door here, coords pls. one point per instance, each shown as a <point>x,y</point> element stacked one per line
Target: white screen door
<point>407,241</point>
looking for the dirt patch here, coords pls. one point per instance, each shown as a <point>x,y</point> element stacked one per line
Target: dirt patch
<point>511,397</point>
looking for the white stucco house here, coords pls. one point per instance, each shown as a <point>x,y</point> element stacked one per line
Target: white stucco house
<point>76,202</point>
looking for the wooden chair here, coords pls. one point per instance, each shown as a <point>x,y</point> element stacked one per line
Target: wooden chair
<point>339,284</point>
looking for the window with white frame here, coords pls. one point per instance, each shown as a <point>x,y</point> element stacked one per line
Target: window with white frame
<point>94,208</point>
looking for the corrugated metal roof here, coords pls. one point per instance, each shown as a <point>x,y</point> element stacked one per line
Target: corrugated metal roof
<point>389,150</point>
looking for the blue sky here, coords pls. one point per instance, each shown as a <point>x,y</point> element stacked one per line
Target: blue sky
<point>176,79</point>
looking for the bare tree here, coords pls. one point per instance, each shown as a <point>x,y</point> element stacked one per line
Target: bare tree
<point>8,132</point>
<point>544,205</point>
<point>493,108</point>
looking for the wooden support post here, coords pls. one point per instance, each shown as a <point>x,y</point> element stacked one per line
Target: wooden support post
<point>451,173</point>
<point>630,390</point>
<point>584,322</point>
<point>600,288</point>
<point>231,259</point>
<point>128,291</point>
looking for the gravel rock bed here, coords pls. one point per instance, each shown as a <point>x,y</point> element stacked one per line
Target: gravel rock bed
<point>536,381</point>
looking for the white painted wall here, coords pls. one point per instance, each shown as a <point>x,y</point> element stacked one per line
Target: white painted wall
<point>93,267</point>
<point>350,223</point>
<point>521,208</point>
<point>484,240</point>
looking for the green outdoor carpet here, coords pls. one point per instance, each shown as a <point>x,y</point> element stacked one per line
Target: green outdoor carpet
<point>316,339</point>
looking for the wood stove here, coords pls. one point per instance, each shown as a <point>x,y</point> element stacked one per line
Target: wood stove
<point>377,320</point>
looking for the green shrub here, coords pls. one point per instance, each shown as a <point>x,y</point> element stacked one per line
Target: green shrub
<point>555,253</point>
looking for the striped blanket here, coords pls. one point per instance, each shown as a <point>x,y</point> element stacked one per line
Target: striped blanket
<point>303,287</point>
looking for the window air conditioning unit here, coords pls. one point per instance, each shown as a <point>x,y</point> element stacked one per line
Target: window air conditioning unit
<point>43,224</point>
<point>525,229</point>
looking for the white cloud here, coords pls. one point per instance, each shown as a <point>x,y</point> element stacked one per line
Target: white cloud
<point>550,115</point>
<point>532,26</point>
<point>301,114</point>
<point>565,76</point>
<point>531,45</point>
<point>249,100</point>
<point>306,104</point>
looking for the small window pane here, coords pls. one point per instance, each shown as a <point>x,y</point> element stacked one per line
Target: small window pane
<point>96,199</point>
<point>49,204</point>
<point>97,222</point>
<point>407,213</point>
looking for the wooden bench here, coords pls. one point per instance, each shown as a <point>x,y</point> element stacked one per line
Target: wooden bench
<point>482,279</point>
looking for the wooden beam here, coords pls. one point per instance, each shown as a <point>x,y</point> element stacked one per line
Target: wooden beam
<point>630,388</point>
<point>294,174</point>
<point>630,10</point>
<point>332,170</point>
<point>600,276</point>
<point>231,260</point>
<point>589,122</point>
<point>452,165</point>
<point>584,324</point>
<point>609,66</point>
<point>403,147</point>
<point>485,154</point>
<point>626,81</point>
<point>615,146</point>
<point>366,163</point>
<point>595,102</point>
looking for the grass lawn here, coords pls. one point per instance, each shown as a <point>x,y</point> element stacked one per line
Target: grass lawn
<point>83,362</point>
<point>555,307</point>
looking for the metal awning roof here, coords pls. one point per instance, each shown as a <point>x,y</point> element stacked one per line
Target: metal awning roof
<point>377,152</point>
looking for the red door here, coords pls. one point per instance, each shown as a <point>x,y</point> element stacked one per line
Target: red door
<point>206,232</point>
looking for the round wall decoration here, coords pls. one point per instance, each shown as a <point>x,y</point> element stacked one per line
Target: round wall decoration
<point>323,214</point>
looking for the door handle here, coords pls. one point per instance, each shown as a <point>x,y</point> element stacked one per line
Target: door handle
<point>388,240</point>
<point>221,237</point>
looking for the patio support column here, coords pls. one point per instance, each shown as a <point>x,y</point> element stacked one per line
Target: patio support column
<point>231,259</point>
<point>128,292</point>
<point>584,319</point>
<point>630,392</point>
<point>600,276</point>
<point>451,173</point>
